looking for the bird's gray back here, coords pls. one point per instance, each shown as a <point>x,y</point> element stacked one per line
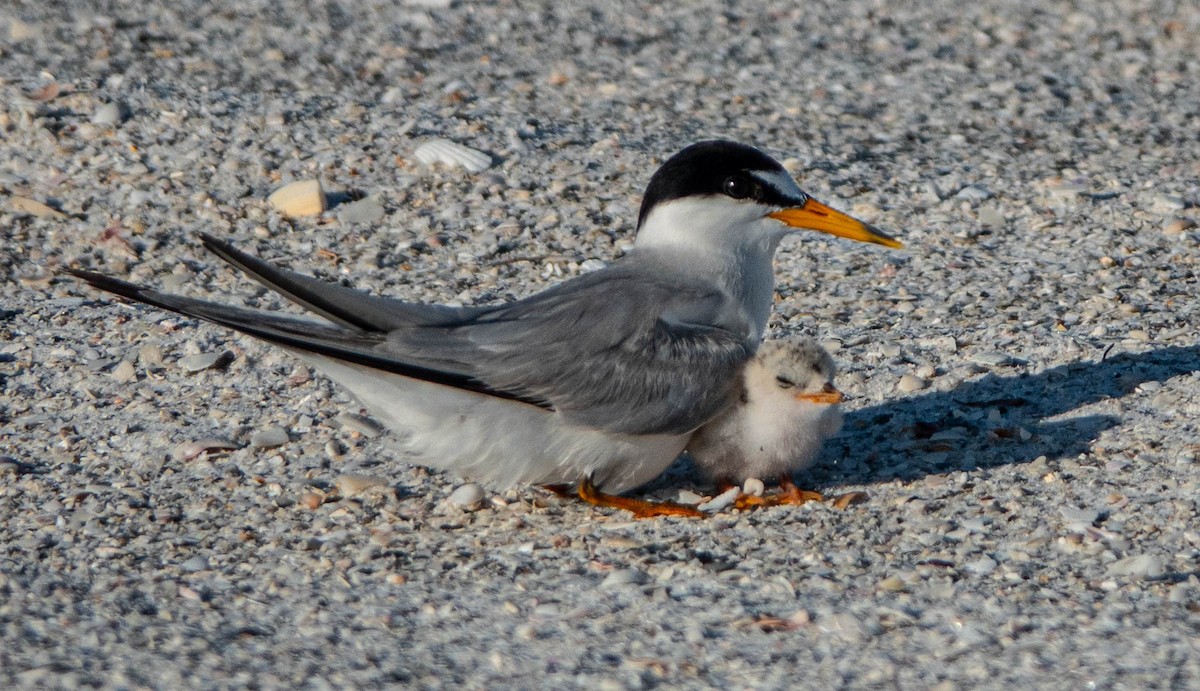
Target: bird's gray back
<point>636,348</point>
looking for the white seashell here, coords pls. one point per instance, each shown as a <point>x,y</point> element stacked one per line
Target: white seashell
<point>452,154</point>
<point>468,495</point>
<point>192,449</point>
<point>300,198</point>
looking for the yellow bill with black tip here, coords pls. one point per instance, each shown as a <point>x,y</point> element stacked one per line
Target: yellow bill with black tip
<point>814,215</point>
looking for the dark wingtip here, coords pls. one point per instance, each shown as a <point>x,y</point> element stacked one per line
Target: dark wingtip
<point>107,283</point>
<point>214,244</point>
<point>209,240</point>
<point>229,253</point>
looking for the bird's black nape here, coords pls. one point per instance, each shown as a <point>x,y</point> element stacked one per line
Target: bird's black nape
<point>703,169</point>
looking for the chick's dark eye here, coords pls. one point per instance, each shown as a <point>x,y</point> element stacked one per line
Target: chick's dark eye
<point>784,382</point>
<point>740,187</point>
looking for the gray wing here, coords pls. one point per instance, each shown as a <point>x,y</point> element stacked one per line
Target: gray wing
<point>339,304</point>
<point>307,334</point>
<point>633,348</point>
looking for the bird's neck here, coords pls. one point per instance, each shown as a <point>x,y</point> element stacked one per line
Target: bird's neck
<point>730,244</point>
<point>746,275</point>
<point>750,280</point>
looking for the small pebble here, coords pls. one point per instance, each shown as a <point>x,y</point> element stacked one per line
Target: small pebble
<point>991,216</point>
<point>909,383</point>
<point>196,563</point>
<point>20,31</point>
<point>150,355</point>
<point>124,372</point>
<point>368,210</point>
<point>981,566</point>
<point>1079,520</point>
<point>1138,566</point>
<point>1167,202</point>
<point>624,577</point>
<point>350,484</point>
<point>467,495</point>
<point>109,114</point>
<point>973,193</point>
<point>269,437</point>
<point>358,423</point>
<point>1067,190</point>
<point>993,358</point>
<point>1178,225</point>
<point>202,361</point>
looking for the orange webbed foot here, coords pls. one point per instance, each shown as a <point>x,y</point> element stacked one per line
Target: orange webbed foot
<point>790,495</point>
<point>640,508</point>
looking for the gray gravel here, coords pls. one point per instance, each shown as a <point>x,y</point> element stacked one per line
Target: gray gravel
<point>1025,378</point>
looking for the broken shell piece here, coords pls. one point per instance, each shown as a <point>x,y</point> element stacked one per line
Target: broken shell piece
<point>192,449</point>
<point>357,423</point>
<point>350,484</point>
<point>312,500</point>
<point>721,502</point>
<point>452,154</point>
<point>300,198</point>
<point>33,207</point>
<point>269,437</point>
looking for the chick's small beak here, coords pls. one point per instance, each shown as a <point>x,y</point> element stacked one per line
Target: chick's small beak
<point>828,395</point>
<point>813,215</point>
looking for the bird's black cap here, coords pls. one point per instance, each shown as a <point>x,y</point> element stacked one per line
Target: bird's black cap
<point>713,167</point>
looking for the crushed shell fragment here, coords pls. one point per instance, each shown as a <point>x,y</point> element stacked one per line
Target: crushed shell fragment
<point>452,154</point>
<point>300,198</point>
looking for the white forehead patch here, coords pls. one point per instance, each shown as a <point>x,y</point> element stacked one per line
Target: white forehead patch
<point>780,181</point>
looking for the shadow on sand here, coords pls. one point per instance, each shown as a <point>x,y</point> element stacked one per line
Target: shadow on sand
<point>993,420</point>
<point>984,423</point>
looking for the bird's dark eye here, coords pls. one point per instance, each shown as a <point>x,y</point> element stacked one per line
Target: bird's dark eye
<point>784,382</point>
<point>741,187</point>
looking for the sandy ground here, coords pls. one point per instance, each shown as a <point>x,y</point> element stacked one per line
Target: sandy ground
<point>1024,378</point>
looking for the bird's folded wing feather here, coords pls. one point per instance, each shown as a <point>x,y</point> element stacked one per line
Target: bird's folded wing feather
<point>339,304</point>
<point>301,333</point>
<point>633,348</point>
<point>622,349</point>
